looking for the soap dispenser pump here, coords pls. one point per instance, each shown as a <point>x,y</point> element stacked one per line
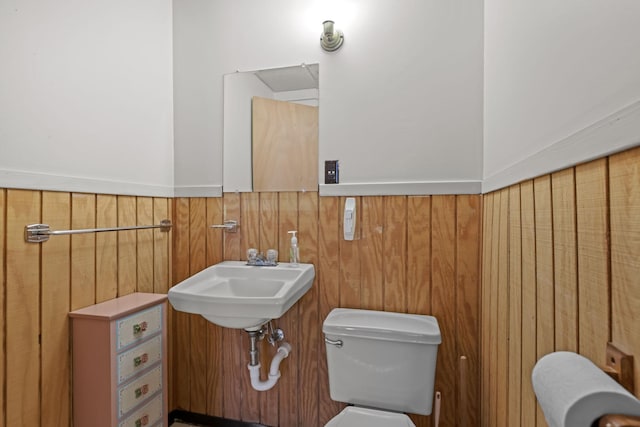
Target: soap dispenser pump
<point>294,252</point>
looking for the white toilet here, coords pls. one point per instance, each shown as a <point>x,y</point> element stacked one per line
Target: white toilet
<point>383,363</point>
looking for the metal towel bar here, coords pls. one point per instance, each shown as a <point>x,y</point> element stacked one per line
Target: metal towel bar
<point>36,233</point>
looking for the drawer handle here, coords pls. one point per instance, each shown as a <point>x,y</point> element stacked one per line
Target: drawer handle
<point>142,421</point>
<point>141,391</point>
<point>139,360</point>
<point>139,328</point>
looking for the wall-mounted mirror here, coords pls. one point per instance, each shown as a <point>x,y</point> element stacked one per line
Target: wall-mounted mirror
<point>271,129</point>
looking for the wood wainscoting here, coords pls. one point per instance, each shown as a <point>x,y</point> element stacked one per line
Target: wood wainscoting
<point>410,254</point>
<point>561,271</point>
<point>43,282</point>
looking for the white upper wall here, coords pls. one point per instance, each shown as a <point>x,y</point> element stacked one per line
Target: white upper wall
<point>86,99</point>
<point>562,84</point>
<point>400,102</point>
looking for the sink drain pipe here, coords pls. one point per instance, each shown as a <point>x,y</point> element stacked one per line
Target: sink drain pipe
<point>254,365</point>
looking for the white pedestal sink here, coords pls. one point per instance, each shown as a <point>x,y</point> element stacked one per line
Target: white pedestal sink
<point>236,295</point>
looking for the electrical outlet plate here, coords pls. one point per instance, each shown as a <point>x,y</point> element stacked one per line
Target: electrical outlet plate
<point>331,172</point>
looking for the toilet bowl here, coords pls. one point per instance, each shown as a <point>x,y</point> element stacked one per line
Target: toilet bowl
<point>382,363</point>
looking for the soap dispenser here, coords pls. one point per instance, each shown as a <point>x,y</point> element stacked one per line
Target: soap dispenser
<point>294,252</point>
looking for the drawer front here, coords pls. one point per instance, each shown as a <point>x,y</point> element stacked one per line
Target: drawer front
<point>138,326</point>
<point>139,390</point>
<point>146,416</point>
<point>139,358</point>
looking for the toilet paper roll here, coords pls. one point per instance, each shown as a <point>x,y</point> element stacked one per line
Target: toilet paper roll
<point>574,392</point>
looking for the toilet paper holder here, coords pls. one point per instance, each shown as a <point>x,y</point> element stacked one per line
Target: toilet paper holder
<point>619,366</point>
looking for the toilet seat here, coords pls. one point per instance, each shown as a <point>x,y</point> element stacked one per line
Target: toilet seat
<point>353,416</point>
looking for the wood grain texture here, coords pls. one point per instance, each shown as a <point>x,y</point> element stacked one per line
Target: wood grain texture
<point>443,292</point>
<point>83,251</point>
<point>486,312</point>
<point>127,261</point>
<point>514,363</point>
<point>545,333</point>
<point>593,258</point>
<point>371,252</point>
<point>106,248</point>
<point>624,175</point>
<point>234,369</point>
<point>284,137</point>
<point>468,222</point>
<point>565,260</point>
<point>309,336</point>
<point>269,238</point>
<point>55,289</point>
<point>144,245</point>
<point>181,321</point>
<point>215,254</point>
<point>250,238</point>
<point>289,382</point>
<point>502,296</point>
<point>528,405</point>
<point>198,332</point>
<point>419,254</point>
<point>571,286</point>
<point>395,254</point>
<point>161,245</point>
<point>495,312</point>
<point>328,291</point>
<point>22,311</point>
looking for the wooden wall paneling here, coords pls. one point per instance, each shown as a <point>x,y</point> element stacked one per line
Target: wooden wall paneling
<point>528,402</point>
<point>350,281</point>
<point>486,313</point>
<point>22,311</point>
<point>3,284</point>
<point>233,359</point>
<point>371,255</point>
<point>181,342</point>
<point>545,312</point>
<point>198,325</point>
<point>127,262</point>
<point>309,332</point>
<point>502,332</point>
<point>493,304</point>
<point>328,279</point>
<point>514,364</point>
<point>83,251</point>
<point>269,238</point>
<point>624,175</point>
<point>144,245</point>
<point>443,293</point>
<point>161,246</point>
<point>106,248</point>
<point>215,368</point>
<point>288,384</point>
<point>55,289</point>
<point>593,258</point>
<point>565,260</point>
<point>250,238</point>
<point>418,255</point>
<point>467,305</point>
<point>395,253</point>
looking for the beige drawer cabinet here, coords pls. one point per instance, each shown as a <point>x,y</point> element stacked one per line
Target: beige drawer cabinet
<point>119,362</point>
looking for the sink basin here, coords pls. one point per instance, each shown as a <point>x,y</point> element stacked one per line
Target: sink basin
<point>236,295</point>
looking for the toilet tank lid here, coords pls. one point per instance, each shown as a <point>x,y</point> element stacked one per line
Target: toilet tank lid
<point>383,325</point>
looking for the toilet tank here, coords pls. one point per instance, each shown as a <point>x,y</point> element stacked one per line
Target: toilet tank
<point>382,360</point>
